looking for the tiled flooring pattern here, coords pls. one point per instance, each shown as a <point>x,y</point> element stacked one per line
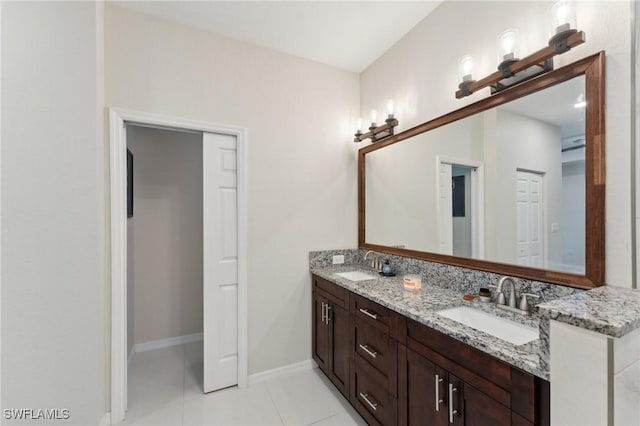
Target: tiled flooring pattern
<point>165,388</point>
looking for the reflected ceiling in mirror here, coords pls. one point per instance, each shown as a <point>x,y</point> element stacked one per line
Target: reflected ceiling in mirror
<point>505,185</point>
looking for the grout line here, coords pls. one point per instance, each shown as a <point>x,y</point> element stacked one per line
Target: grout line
<point>326,418</point>
<point>273,401</point>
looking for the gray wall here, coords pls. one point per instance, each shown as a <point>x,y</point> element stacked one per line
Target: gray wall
<point>53,245</point>
<point>166,246</point>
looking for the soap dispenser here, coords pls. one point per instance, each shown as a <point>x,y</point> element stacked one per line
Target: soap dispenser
<point>386,268</point>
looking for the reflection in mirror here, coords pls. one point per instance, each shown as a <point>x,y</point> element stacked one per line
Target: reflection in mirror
<point>505,185</point>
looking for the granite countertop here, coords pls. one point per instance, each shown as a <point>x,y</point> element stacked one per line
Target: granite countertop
<point>608,310</point>
<point>421,305</point>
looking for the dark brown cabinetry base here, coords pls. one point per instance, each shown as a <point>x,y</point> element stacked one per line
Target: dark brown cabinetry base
<point>396,371</point>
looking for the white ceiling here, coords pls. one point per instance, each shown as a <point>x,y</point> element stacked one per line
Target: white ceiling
<point>346,34</point>
<point>555,105</point>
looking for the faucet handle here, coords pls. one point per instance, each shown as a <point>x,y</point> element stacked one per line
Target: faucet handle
<point>524,304</point>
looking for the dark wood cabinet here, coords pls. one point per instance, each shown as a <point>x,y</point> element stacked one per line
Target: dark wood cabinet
<point>396,371</point>
<point>331,332</point>
<point>436,397</point>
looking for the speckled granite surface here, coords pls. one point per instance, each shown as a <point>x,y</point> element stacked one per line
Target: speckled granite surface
<point>608,310</point>
<point>422,305</point>
<point>446,276</point>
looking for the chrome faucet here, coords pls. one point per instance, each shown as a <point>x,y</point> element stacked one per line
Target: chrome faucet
<point>512,292</point>
<point>375,263</point>
<point>522,307</point>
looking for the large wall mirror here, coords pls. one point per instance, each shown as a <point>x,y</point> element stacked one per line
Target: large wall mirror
<point>512,184</point>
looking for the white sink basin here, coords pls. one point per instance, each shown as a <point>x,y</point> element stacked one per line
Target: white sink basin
<point>355,275</point>
<point>502,328</point>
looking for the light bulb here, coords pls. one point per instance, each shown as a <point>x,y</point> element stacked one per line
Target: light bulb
<point>465,66</point>
<point>563,16</point>
<point>359,125</point>
<point>374,116</point>
<point>507,45</point>
<point>390,108</point>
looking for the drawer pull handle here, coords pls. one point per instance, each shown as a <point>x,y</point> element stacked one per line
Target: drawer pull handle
<point>369,314</point>
<point>328,317</point>
<point>372,353</point>
<point>365,396</point>
<point>323,313</point>
<point>451,410</point>
<point>438,400</point>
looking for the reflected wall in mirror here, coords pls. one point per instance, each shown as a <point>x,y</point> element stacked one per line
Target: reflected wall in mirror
<point>507,187</point>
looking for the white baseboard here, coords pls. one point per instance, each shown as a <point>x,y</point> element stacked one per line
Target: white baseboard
<point>286,370</point>
<point>106,420</point>
<point>165,343</point>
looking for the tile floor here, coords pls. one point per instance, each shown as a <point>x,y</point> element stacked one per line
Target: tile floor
<point>165,388</point>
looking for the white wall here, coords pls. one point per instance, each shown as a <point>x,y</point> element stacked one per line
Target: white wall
<point>401,198</point>
<point>301,164</point>
<point>167,243</point>
<point>420,73</point>
<point>52,218</point>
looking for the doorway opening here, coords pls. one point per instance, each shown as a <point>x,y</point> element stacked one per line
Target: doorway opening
<point>461,207</point>
<point>164,265</point>
<point>222,243</point>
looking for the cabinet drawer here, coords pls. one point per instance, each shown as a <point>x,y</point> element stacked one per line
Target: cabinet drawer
<point>370,313</point>
<point>371,399</point>
<point>335,293</point>
<point>377,349</point>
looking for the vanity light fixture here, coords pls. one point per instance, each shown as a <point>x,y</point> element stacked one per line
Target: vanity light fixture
<point>465,67</point>
<point>377,133</point>
<point>513,70</point>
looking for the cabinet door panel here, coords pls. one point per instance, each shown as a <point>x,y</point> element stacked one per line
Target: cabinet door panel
<point>320,332</point>
<point>482,410</point>
<point>424,381</point>
<point>340,337</point>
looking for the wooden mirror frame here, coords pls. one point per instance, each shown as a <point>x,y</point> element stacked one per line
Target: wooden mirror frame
<point>593,68</point>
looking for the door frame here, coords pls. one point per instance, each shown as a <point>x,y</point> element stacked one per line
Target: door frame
<point>477,200</point>
<point>118,240</point>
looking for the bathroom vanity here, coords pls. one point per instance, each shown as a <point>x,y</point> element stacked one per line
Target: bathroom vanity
<point>401,363</point>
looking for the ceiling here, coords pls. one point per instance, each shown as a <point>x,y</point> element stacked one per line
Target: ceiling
<point>345,34</point>
<point>555,105</point>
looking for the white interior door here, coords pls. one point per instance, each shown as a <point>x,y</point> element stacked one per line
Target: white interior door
<point>530,219</point>
<point>445,209</point>
<point>220,252</point>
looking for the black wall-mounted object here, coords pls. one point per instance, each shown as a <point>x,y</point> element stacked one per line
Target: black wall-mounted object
<point>458,196</point>
<point>129,183</point>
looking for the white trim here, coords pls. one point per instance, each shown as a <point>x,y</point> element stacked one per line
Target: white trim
<point>105,420</point>
<point>165,343</point>
<point>118,266</point>
<point>287,370</point>
<point>117,118</point>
